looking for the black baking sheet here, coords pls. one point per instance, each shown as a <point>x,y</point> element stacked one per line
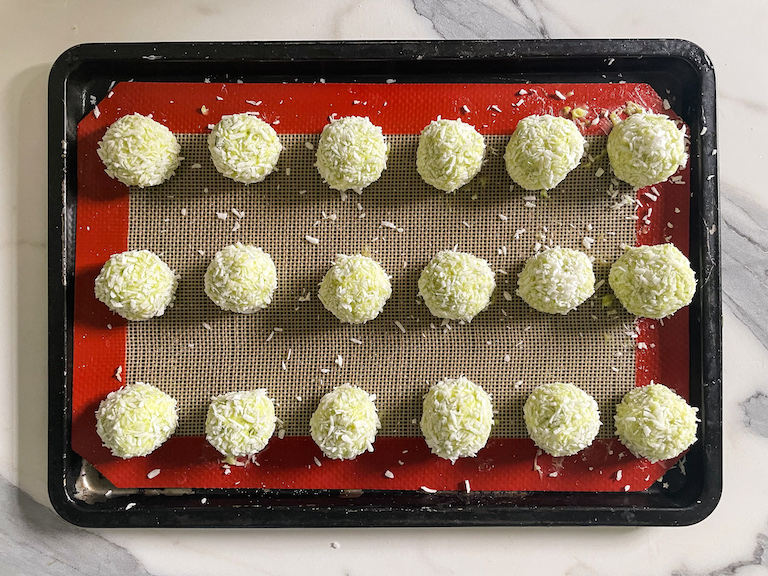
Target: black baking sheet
<point>675,68</point>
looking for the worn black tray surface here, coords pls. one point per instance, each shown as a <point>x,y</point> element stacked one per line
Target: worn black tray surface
<point>676,68</point>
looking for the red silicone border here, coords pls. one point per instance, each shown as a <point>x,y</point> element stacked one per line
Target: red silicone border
<point>505,464</point>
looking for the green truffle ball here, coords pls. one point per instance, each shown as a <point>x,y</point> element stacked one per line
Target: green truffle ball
<point>653,281</point>
<point>345,423</point>
<point>135,420</point>
<point>561,418</point>
<point>646,149</point>
<point>655,423</point>
<point>450,154</point>
<point>136,284</point>
<point>456,285</point>
<point>457,418</point>
<point>138,151</point>
<point>542,151</point>
<point>355,289</point>
<point>244,148</point>
<point>241,278</point>
<point>351,154</point>
<point>240,423</point>
<point>556,281</point>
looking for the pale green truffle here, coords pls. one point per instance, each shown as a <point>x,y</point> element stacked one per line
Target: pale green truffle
<point>561,418</point>
<point>456,285</point>
<point>542,151</point>
<point>345,423</point>
<point>135,420</point>
<point>450,154</point>
<point>457,418</point>
<point>653,281</point>
<point>351,154</point>
<point>646,149</point>
<point>355,289</point>
<point>240,423</point>
<point>556,281</point>
<point>244,148</point>
<point>655,423</point>
<point>138,151</point>
<point>241,278</point>
<point>136,284</point>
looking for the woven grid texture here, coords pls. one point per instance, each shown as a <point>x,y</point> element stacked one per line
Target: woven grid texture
<point>299,351</point>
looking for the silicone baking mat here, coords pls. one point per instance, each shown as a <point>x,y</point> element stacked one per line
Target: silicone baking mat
<point>299,351</point>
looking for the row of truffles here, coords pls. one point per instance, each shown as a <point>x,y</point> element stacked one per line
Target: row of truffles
<point>649,281</point>
<point>652,421</point>
<point>352,153</point>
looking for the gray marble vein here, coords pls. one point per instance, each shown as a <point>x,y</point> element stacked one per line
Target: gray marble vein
<point>759,558</point>
<point>35,542</point>
<point>744,235</point>
<point>755,413</point>
<point>455,19</point>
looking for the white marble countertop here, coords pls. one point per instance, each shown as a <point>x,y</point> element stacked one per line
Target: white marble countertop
<point>33,540</point>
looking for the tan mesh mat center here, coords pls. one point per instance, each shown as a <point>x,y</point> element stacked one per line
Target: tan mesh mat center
<point>196,351</point>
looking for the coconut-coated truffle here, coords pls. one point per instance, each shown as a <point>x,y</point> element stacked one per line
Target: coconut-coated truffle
<point>542,151</point>
<point>653,281</point>
<point>135,420</point>
<point>646,149</point>
<point>345,423</point>
<point>561,418</point>
<point>355,289</point>
<point>655,423</point>
<point>556,281</point>
<point>240,423</point>
<point>351,154</point>
<point>450,154</point>
<point>136,284</point>
<point>241,278</point>
<point>244,148</point>
<point>457,418</point>
<point>138,151</point>
<point>456,285</point>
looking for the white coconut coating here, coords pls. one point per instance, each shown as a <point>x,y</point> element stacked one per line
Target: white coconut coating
<point>244,148</point>
<point>561,418</point>
<point>646,149</point>
<point>450,154</point>
<point>456,285</point>
<point>355,289</point>
<point>542,151</point>
<point>135,420</point>
<point>653,281</point>
<point>345,423</point>
<point>655,423</point>
<point>136,284</point>
<point>138,151</point>
<point>241,278</point>
<point>351,154</point>
<point>240,423</point>
<point>556,281</point>
<point>457,418</point>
